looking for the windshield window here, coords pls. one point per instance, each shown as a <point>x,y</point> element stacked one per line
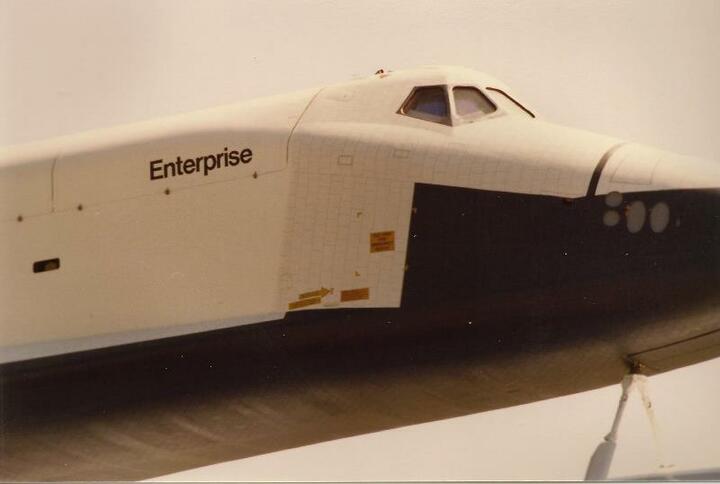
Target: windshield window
<point>469,101</point>
<point>429,103</point>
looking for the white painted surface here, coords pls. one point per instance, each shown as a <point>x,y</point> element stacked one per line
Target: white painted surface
<point>193,233</point>
<point>646,71</point>
<point>143,256</point>
<point>122,272</point>
<point>636,167</point>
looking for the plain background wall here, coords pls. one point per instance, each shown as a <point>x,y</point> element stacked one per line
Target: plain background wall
<point>642,70</point>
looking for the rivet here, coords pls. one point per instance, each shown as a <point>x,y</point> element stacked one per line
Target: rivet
<point>19,218</point>
<point>80,207</point>
<point>167,191</point>
<point>255,175</point>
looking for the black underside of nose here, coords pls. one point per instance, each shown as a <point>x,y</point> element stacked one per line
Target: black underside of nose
<point>544,270</point>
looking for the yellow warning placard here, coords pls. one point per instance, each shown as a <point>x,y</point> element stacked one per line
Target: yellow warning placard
<point>382,241</point>
<point>304,303</point>
<point>322,292</point>
<point>355,294</point>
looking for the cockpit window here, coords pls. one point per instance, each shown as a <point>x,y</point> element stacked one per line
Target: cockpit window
<point>429,103</point>
<point>470,102</point>
<point>507,102</point>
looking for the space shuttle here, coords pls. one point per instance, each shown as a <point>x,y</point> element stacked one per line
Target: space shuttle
<point>403,248</point>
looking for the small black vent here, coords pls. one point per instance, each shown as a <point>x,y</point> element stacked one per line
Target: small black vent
<point>46,265</point>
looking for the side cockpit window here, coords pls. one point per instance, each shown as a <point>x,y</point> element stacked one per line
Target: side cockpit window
<point>429,103</point>
<point>471,103</point>
<point>507,102</point>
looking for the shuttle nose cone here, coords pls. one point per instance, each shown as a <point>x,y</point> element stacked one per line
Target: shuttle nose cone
<point>637,168</point>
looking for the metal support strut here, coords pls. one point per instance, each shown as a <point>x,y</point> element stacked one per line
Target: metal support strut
<point>600,461</point>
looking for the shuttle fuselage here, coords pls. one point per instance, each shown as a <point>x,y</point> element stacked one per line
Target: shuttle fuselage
<point>417,237</point>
